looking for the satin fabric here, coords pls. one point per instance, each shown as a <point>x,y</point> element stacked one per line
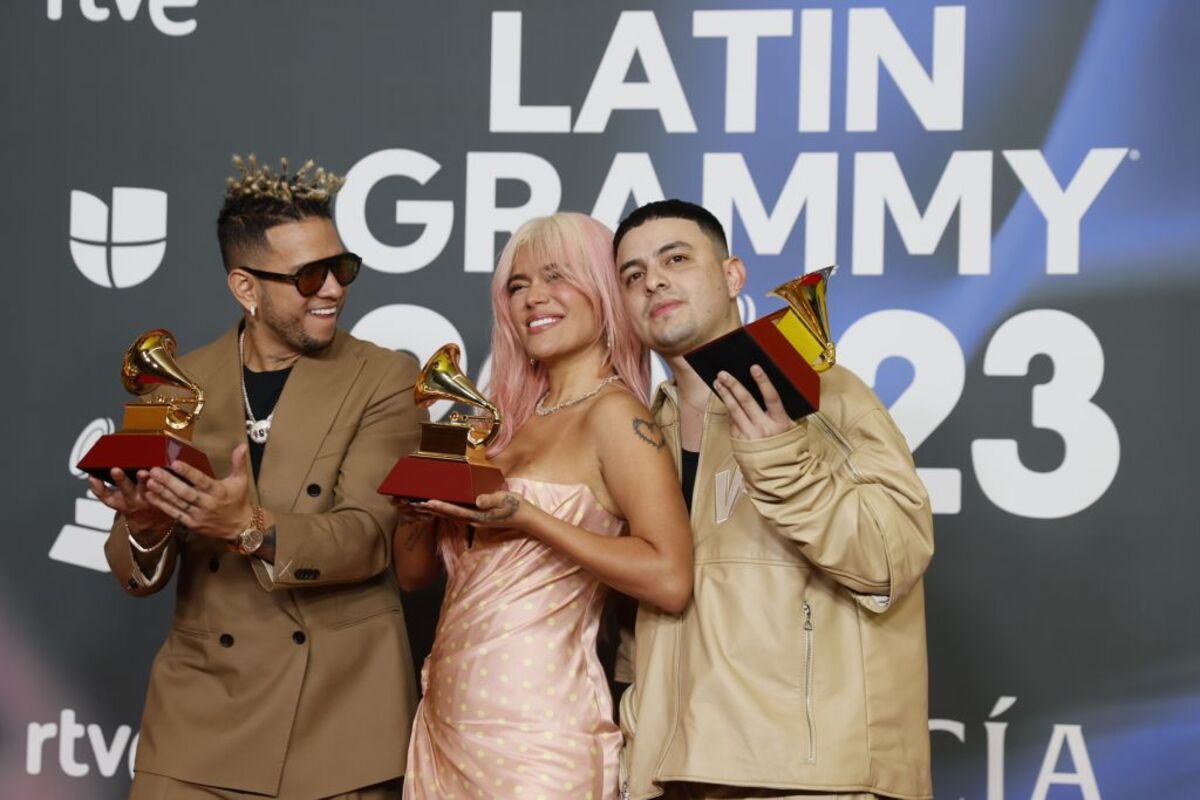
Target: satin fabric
<point>515,701</point>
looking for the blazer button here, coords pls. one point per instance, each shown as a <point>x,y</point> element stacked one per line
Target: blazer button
<point>298,637</point>
<point>214,564</point>
<point>313,490</point>
<point>226,640</point>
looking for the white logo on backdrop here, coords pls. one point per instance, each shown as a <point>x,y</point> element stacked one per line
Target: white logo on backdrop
<point>82,543</point>
<point>95,11</point>
<point>419,331</point>
<point>73,758</point>
<point>121,246</point>
<point>747,308</point>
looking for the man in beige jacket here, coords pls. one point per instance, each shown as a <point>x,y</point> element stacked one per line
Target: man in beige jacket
<point>286,672</point>
<point>799,669</point>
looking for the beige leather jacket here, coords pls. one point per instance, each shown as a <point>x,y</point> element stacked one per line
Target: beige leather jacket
<point>800,663</point>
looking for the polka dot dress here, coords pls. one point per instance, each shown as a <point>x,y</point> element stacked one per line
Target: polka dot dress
<point>516,703</point>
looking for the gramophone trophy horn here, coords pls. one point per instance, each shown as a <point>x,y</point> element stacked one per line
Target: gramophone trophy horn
<point>806,298</point>
<point>150,364</point>
<point>157,431</point>
<point>442,379</point>
<point>792,345</point>
<point>450,463</point>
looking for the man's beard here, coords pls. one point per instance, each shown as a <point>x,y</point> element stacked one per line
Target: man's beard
<point>291,330</point>
<point>675,339</point>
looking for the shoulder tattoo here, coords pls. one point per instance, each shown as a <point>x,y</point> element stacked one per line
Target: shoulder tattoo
<point>649,432</point>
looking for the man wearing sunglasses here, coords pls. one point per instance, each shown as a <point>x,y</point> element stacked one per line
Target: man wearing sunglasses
<point>287,672</point>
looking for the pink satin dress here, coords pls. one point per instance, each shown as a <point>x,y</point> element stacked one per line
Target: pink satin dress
<point>516,703</point>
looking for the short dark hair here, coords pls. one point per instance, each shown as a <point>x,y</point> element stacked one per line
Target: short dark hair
<point>258,200</point>
<point>675,209</point>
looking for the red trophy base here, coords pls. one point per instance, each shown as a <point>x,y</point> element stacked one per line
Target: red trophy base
<point>134,451</point>
<point>762,342</point>
<point>458,480</point>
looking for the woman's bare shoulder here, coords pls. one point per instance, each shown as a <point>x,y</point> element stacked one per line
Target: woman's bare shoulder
<point>615,404</point>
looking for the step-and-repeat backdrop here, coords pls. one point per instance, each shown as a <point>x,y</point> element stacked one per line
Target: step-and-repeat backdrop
<point>1011,192</point>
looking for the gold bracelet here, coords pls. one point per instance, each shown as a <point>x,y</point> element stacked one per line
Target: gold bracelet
<point>251,538</point>
<point>152,548</point>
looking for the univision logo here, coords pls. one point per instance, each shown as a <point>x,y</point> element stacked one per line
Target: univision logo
<point>122,247</point>
<point>81,542</point>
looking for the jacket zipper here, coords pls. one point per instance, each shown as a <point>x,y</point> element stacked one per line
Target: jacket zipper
<point>623,770</point>
<point>808,684</point>
<point>841,443</point>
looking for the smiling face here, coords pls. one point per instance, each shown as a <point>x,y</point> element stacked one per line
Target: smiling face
<point>680,292</point>
<point>292,322</point>
<point>553,318</point>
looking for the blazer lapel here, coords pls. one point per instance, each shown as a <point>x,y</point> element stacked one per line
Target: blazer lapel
<point>305,412</point>
<point>224,413</point>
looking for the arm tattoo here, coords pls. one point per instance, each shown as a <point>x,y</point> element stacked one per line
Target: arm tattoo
<point>649,433</point>
<point>509,506</point>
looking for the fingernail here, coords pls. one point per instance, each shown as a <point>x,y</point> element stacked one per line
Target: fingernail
<point>756,370</point>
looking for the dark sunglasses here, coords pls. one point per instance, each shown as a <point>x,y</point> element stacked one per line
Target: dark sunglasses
<point>309,278</point>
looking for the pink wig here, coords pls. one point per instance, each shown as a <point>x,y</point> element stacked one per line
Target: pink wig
<point>582,250</point>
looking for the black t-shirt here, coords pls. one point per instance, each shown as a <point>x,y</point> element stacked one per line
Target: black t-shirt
<point>263,390</point>
<point>689,463</point>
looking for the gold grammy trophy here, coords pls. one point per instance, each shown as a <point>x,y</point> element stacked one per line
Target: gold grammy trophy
<point>792,345</point>
<point>154,432</point>
<point>450,464</point>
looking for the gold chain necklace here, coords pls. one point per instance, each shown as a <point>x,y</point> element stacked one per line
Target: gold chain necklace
<point>543,410</point>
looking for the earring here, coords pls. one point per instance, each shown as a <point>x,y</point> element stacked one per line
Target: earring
<point>608,342</point>
<point>533,362</point>
<point>253,309</point>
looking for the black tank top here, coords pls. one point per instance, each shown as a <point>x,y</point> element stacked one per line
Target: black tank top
<point>689,463</point>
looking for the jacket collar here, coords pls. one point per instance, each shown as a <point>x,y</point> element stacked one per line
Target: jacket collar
<point>305,412</point>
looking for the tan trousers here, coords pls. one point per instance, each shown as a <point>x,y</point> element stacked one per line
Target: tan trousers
<point>709,791</point>
<point>147,786</point>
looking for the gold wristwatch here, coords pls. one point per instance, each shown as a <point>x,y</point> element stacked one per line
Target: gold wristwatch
<point>249,540</point>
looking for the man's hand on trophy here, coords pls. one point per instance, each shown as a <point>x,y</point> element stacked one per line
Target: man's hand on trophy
<point>219,509</point>
<point>413,518</point>
<point>411,512</point>
<point>749,420</point>
<point>145,521</point>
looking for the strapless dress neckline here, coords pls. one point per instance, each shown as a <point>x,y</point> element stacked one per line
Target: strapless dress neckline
<point>561,485</point>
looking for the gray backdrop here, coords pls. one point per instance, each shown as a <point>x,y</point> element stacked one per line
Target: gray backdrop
<point>1029,317</point>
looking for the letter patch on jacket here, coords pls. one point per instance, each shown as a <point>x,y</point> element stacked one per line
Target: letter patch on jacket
<point>729,486</point>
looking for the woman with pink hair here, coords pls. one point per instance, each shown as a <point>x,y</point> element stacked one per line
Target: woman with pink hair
<point>516,703</point>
